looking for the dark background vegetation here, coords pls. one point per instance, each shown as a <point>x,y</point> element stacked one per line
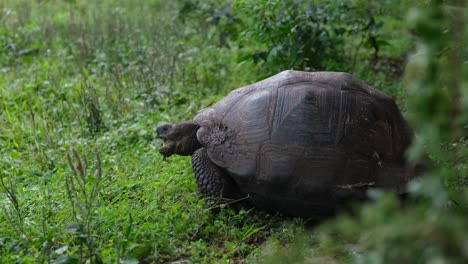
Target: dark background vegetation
<point>84,84</point>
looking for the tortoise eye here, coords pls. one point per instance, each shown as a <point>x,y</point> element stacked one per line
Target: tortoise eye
<point>162,130</point>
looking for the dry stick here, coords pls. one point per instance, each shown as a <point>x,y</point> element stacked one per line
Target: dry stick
<point>228,203</point>
<point>71,189</point>
<point>10,219</point>
<point>173,63</point>
<point>355,185</point>
<point>356,53</point>
<point>11,195</point>
<point>81,172</point>
<point>459,159</point>
<point>95,189</point>
<point>70,196</point>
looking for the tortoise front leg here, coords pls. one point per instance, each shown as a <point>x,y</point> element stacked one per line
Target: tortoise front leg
<point>212,180</point>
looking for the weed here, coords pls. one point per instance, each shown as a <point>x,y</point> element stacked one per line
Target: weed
<point>82,191</point>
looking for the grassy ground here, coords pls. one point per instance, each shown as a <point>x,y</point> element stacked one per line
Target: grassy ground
<point>83,85</point>
<point>97,77</point>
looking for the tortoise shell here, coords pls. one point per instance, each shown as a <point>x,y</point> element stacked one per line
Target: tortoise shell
<point>298,134</point>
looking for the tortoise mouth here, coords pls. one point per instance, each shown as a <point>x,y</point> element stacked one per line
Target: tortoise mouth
<point>167,149</point>
<point>178,138</point>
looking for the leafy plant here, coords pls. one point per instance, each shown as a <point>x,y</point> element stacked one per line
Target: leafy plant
<point>438,90</point>
<point>82,191</point>
<point>308,36</point>
<point>222,21</point>
<point>13,210</point>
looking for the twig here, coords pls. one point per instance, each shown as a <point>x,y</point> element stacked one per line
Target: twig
<point>355,185</point>
<point>228,203</point>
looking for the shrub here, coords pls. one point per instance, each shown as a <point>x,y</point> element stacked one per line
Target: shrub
<point>291,34</point>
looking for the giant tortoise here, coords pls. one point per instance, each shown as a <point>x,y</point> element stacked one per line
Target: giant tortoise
<point>298,143</point>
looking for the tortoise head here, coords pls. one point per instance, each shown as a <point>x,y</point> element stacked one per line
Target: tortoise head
<point>180,138</point>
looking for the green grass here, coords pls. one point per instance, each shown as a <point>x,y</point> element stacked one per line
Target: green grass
<point>83,86</point>
<point>98,77</point>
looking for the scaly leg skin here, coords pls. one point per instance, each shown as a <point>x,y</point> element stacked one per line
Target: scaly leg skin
<point>212,181</point>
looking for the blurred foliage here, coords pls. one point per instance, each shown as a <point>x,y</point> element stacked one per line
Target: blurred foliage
<point>381,233</point>
<point>432,226</point>
<point>438,92</point>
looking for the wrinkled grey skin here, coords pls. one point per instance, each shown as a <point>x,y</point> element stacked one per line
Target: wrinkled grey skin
<point>178,138</point>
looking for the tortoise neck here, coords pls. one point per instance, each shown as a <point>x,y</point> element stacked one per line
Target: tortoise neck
<point>189,143</point>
